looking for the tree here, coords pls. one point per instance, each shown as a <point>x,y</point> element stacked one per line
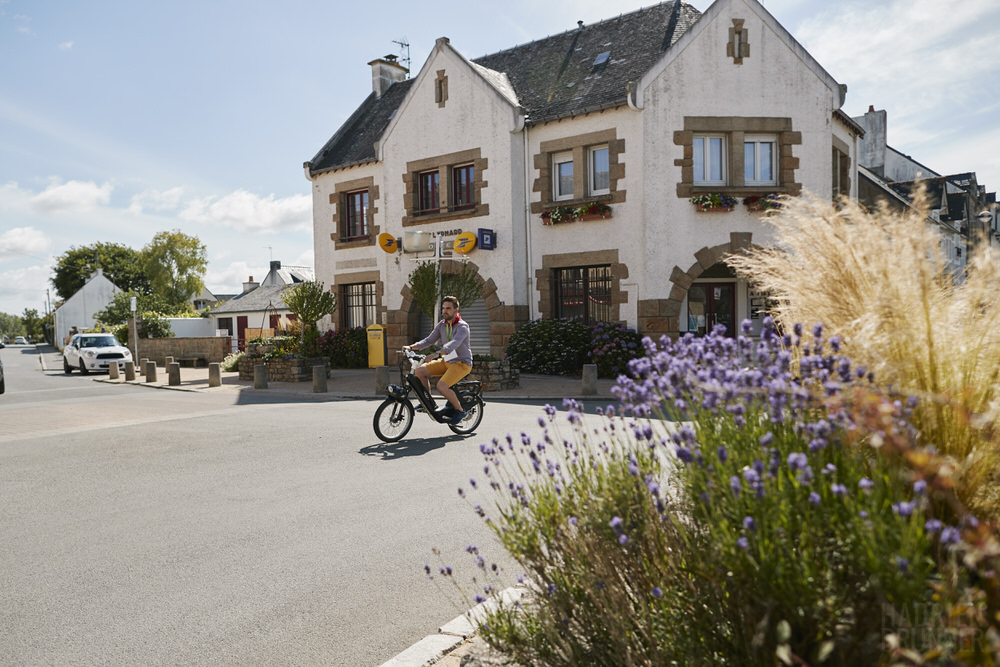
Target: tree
<point>309,301</point>
<point>33,324</point>
<point>463,284</point>
<point>11,325</point>
<point>121,265</point>
<point>175,264</point>
<point>120,309</point>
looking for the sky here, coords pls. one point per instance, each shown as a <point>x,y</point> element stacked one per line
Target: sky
<point>121,119</point>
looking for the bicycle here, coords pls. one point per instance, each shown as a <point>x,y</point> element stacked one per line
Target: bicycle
<point>394,417</point>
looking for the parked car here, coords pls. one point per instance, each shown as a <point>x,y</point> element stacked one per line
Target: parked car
<point>19,340</point>
<point>93,352</point>
<point>3,387</point>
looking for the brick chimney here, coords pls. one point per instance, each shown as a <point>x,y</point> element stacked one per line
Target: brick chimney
<point>385,72</point>
<point>250,285</point>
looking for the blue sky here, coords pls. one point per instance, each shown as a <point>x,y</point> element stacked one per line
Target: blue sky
<point>120,119</point>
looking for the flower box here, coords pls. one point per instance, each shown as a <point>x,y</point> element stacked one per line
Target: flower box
<point>713,202</point>
<point>713,209</point>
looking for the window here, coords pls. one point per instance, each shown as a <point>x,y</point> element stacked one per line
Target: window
<point>355,220</point>
<point>759,161</point>
<point>358,304</point>
<point>709,160</point>
<point>583,294</point>
<point>600,171</point>
<point>463,191</point>
<point>429,198</point>
<point>562,169</point>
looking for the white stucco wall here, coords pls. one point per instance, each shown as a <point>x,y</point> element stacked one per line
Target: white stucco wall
<point>192,327</point>
<point>78,310</point>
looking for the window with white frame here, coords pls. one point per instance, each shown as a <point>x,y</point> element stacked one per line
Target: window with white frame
<point>600,171</point>
<point>760,160</point>
<point>709,154</point>
<point>562,170</point>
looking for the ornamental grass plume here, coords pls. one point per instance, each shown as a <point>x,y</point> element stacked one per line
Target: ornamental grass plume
<point>881,281</point>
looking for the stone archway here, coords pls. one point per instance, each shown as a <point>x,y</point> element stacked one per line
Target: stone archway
<point>663,316</point>
<point>402,324</point>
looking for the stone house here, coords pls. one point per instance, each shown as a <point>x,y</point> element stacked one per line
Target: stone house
<point>572,160</point>
<point>260,305</point>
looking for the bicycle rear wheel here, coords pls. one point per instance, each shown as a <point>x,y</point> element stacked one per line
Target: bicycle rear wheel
<point>471,422</point>
<point>393,420</point>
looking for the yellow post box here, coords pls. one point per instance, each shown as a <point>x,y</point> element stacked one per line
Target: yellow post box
<point>377,351</point>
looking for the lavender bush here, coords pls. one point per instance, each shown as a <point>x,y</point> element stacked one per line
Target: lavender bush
<point>733,510</point>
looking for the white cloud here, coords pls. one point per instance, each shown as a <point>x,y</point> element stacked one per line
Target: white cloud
<point>23,241</point>
<point>246,211</point>
<point>156,200</point>
<point>72,196</point>
<point>66,46</point>
<point>24,288</point>
<point>230,278</point>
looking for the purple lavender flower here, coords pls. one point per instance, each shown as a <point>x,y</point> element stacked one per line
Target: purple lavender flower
<point>657,592</point>
<point>865,484</point>
<point>838,489</point>
<point>766,439</point>
<point>743,543</point>
<point>814,498</point>
<point>933,526</point>
<point>734,484</point>
<point>797,460</point>
<point>902,564</point>
<point>950,535</point>
<point>903,508</point>
<point>749,523</point>
<point>723,454</point>
<point>920,487</point>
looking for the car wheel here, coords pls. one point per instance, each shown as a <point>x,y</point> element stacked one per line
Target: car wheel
<point>3,387</point>
<point>66,367</point>
<point>83,367</point>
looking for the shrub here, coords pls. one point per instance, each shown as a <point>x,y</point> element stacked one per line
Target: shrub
<point>231,362</point>
<point>346,348</point>
<point>883,283</point>
<point>738,511</point>
<point>549,347</point>
<point>611,347</point>
<point>274,348</point>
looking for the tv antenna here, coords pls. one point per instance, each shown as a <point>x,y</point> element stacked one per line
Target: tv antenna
<point>404,46</point>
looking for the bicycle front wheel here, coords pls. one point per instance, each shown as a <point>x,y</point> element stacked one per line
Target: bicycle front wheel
<point>393,420</point>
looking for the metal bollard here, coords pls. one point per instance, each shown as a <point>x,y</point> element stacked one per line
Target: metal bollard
<point>214,374</point>
<point>113,370</point>
<point>173,374</point>
<point>150,371</point>
<point>589,380</point>
<point>130,371</point>
<point>142,365</point>
<point>260,376</point>
<point>381,379</point>
<point>319,379</point>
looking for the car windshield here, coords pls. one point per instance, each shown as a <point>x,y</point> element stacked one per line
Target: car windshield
<point>98,341</point>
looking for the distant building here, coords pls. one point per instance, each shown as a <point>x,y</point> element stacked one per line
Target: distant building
<point>78,311</point>
<point>260,305</point>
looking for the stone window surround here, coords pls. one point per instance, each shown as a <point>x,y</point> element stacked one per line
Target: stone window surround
<point>579,146</point>
<point>339,200</point>
<point>544,277</point>
<point>341,279</point>
<point>444,164</point>
<point>735,127</point>
<point>441,88</point>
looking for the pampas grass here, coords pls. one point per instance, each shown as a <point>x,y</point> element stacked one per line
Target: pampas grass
<point>880,280</point>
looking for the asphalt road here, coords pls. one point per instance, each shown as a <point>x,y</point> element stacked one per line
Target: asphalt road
<point>150,527</point>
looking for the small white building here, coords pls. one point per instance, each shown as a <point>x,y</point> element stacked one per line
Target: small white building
<point>78,311</point>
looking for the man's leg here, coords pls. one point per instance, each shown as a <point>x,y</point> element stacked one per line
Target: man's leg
<point>449,394</point>
<point>424,376</point>
<point>456,371</point>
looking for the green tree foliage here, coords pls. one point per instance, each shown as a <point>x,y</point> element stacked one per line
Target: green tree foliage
<point>33,324</point>
<point>11,325</point>
<point>121,265</point>
<point>175,264</point>
<point>463,284</point>
<point>309,301</point>
<point>120,308</point>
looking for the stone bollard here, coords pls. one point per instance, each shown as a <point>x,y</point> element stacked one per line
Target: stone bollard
<point>319,379</point>
<point>142,365</point>
<point>260,376</point>
<point>167,361</point>
<point>150,371</point>
<point>381,380</point>
<point>173,373</point>
<point>130,371</point>
<point>113,370</point>
<point>214,374</point>
<point>589,380</point>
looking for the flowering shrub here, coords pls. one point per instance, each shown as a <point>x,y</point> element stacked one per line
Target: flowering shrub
<point>737,510</point>
<point>549,347</point>
<point>612,346</point>
<point>279,347</point>
<point>766,202</point>
<point>346,348</point>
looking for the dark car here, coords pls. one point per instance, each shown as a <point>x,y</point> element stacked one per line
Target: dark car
<point>2,386</point>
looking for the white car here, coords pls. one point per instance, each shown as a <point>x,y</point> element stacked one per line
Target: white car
<point>20,341</point>
<point>94,352</point>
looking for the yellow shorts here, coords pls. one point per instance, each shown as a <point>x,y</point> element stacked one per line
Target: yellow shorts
<point>450,372</point>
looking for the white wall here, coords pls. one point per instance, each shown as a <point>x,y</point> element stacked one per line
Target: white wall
<point>78,310</point>
<point>192,327</point>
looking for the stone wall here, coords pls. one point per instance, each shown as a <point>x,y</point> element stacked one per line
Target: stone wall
<point>495,375</point>
<point>209,350</point>
<point>283,370</point>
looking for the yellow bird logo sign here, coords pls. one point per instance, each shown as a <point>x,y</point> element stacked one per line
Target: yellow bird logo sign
<point>388,242</point>
<point>464,243</point>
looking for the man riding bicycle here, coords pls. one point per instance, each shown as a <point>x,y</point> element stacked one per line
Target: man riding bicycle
<point>452,362</point>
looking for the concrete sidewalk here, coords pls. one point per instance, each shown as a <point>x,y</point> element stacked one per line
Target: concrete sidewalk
<point>342,383</point>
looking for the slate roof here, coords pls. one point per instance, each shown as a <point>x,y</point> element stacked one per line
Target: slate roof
<point>556,77</point>
<point>254,301</point>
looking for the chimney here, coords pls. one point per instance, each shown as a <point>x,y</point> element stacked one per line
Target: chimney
<point>275,265</point>
<point>250,285</point>
<point>385,72</point>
